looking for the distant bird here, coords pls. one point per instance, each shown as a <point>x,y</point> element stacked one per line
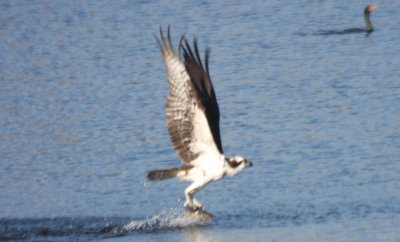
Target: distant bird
<point>192,115</point>
<point>368,25</point>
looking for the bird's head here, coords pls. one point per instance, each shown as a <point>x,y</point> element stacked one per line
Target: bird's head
<point>235,164</point>
<point>368,9</point>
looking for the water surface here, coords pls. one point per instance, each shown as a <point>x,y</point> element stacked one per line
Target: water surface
<point>82,100</point>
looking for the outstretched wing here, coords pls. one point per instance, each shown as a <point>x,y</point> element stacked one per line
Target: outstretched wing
<point>200,79</point>
<point>191,101</point>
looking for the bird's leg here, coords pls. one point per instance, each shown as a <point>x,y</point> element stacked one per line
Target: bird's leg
<point>188,202</point>
<point>189,192</point>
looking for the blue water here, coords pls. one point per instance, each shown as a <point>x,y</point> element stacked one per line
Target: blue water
<point>82,97</point>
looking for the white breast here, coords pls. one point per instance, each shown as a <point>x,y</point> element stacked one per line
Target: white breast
<point>207,167</point>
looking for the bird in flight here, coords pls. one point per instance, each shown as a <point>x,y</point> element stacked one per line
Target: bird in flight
<point>192,115</point>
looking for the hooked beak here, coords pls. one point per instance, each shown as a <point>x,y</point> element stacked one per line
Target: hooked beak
<point>373,7</point>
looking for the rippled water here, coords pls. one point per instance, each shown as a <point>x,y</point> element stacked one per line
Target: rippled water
<point>82,95</point>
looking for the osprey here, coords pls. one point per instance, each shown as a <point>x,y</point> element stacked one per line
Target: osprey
<point>192,115</point>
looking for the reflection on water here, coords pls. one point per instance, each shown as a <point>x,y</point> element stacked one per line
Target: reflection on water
<point>82,100</point>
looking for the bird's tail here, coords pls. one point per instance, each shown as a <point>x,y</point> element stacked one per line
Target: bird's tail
<point>163,174</point>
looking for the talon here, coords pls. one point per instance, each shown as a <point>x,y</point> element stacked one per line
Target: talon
<point>197,205</point>
<point>195,209</point>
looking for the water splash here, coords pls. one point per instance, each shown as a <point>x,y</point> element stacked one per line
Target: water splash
<point>93,227</point>
<point>171,219</point>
